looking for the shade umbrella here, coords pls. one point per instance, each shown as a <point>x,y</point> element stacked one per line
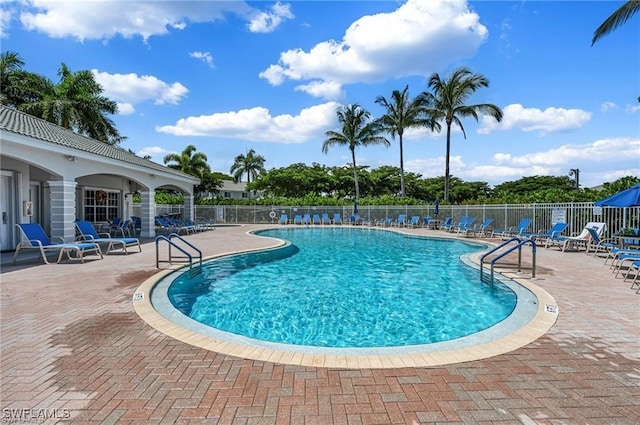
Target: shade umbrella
<point>626,198</point>
<point>436,207</point>
<point>355,206</point>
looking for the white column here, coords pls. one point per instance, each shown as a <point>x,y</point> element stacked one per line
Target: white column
<point>188,206</point>
<point>63,209</point>
<point>148,213</point>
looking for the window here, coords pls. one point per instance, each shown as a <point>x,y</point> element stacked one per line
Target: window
<point>101,205</point>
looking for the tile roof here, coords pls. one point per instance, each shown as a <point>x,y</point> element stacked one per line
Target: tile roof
<point>18,122</point>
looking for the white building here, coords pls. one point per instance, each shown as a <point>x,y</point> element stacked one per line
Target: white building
<point>53,176</point>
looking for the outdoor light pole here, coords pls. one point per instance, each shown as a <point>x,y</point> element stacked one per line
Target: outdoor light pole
<point>575,172</point>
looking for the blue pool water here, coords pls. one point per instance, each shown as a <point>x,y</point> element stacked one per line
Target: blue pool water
<point>345,287</point>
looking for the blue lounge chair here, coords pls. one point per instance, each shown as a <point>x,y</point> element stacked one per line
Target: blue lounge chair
<point>284,219</point>
<point>34,237</point>
<point>446,223</point>
<point>599,245</point>
<point>316,219</point>
<point>337,219</point>
<point>325,218</point>
<point>89,234</point>
<point>465,226</point>
<point>414,222</point>
<point>513,231</point>
<point>479,229</point>
<point>297,219</point>
<point>555,231</point>
<point>306,219</point>
<point>400,221</point>
<point>566,242</point>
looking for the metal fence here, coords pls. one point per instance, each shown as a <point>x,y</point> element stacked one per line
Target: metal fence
<point>505,216</point>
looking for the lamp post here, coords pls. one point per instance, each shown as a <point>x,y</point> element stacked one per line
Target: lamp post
<point>575,172</point>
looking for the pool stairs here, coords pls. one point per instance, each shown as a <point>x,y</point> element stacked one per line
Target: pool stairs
<point>177,242</point>
<point>504,249</point>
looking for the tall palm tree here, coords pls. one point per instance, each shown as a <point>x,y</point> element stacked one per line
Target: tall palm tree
<point>75,102</point>
<point>447,103</point>
<point>617,18</point>
<point>189,162</point>
<point>251,164</point>
<point>10,65</point>
<point>356,130</point>
<point>402,113</point>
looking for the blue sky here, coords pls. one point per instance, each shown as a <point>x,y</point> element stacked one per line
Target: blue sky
<point>232,76</point>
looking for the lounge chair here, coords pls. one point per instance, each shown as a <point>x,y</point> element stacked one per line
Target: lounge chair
<point>414,222</point>
<point>451,226</point>
<point>575,242</point>
<point>284,219</point>
<point>297,219</point>
<point>325,218</point>
<point>316,219</point>
<point>479,229</point>
<point>34,237</point>
<point>599,245</point>
<point>306,219</point>
<point>400,221</point>
<point>337,219</point>
<point>89,234</point>
<point>384,222</point>
<point>555,231</point>
<point>512,231</point>
<point>465,227</point>
<point>446,223</point>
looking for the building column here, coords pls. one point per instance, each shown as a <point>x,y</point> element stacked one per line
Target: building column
<point>63,209</point>
<point>188,206</point>
<point>148,205</point>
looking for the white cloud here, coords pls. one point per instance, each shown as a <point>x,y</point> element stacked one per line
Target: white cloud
<point>268,21</point>
<point>155,152</point>
<point>550,120</point>
<point>103,19</point>
<point>5,20</point>
<point>258,125</point>
<point>632,109</point>
<point>129,89</point>
<point>324,89</point>
<point>125,108</point>
<point>599,161</point>
<point>204,57</point>
<point>442,31</point>
<point>607,106</point>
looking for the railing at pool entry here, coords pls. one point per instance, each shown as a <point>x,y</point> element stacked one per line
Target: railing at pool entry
<point>510,247</point>
<point>171,243</point>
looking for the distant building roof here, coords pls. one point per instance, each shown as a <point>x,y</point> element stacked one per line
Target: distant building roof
<point>18,122</point>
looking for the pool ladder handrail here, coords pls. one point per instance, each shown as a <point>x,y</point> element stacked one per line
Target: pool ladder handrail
<point>520,243</point>
<point>189,257</point>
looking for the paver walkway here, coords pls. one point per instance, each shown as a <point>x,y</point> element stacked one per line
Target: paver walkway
<point>71,344</point>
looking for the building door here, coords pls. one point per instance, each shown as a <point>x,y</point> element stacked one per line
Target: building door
<point>6,215</point>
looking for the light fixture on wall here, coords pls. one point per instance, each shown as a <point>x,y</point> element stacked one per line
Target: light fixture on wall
<point>72,158</point>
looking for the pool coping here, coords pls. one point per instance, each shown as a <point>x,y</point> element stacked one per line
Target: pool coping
<point>543,319</point>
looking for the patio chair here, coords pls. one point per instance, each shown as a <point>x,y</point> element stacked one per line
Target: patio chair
<point>325,218</point>
<point>400,221</point>
<point>316,219</point>
<point>479,229</point>
<point>576,242</point>
<point>554,231</point>
<point>414,222</point>
<point>284,219</point>
<point>337,219</point>
<point>297,219</point>
<point>34,237</point>
<point>450,226</point>
<point>466,226</point>
<point>384,222</point>
<point>511,232</point>
<point>599,245</point>
<point>89,234</point>
<point>306,219</point>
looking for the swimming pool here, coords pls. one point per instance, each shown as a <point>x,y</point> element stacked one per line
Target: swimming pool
<point>371,289</point>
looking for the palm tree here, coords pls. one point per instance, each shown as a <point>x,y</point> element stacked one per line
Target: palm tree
<point>75,102</point>
<point>447,103</point>
<point>402,113</point>
<point>251,164</point>
<point>617,18</point>
<point>10,65</point>
<point>356,130</point>
<point>194,164</point>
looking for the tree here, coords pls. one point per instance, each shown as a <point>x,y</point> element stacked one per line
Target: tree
<point>251,164</point>
<point>356,130</point>
<point>402,113</point>
<point>10,65</point>
<point>617,18</point>
<point>75,102</point>
<point>189,162</point>
<point>447,103</point>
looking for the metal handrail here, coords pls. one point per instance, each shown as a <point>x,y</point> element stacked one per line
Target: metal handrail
<point>171,259</point>
<point>518,246</point>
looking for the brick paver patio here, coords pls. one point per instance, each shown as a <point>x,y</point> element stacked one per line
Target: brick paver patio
<point>72,345</point>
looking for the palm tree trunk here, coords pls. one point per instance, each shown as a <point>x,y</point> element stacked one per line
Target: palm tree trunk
<point>446,167</point>
<point>355,174</point>
<point>401,167</point>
